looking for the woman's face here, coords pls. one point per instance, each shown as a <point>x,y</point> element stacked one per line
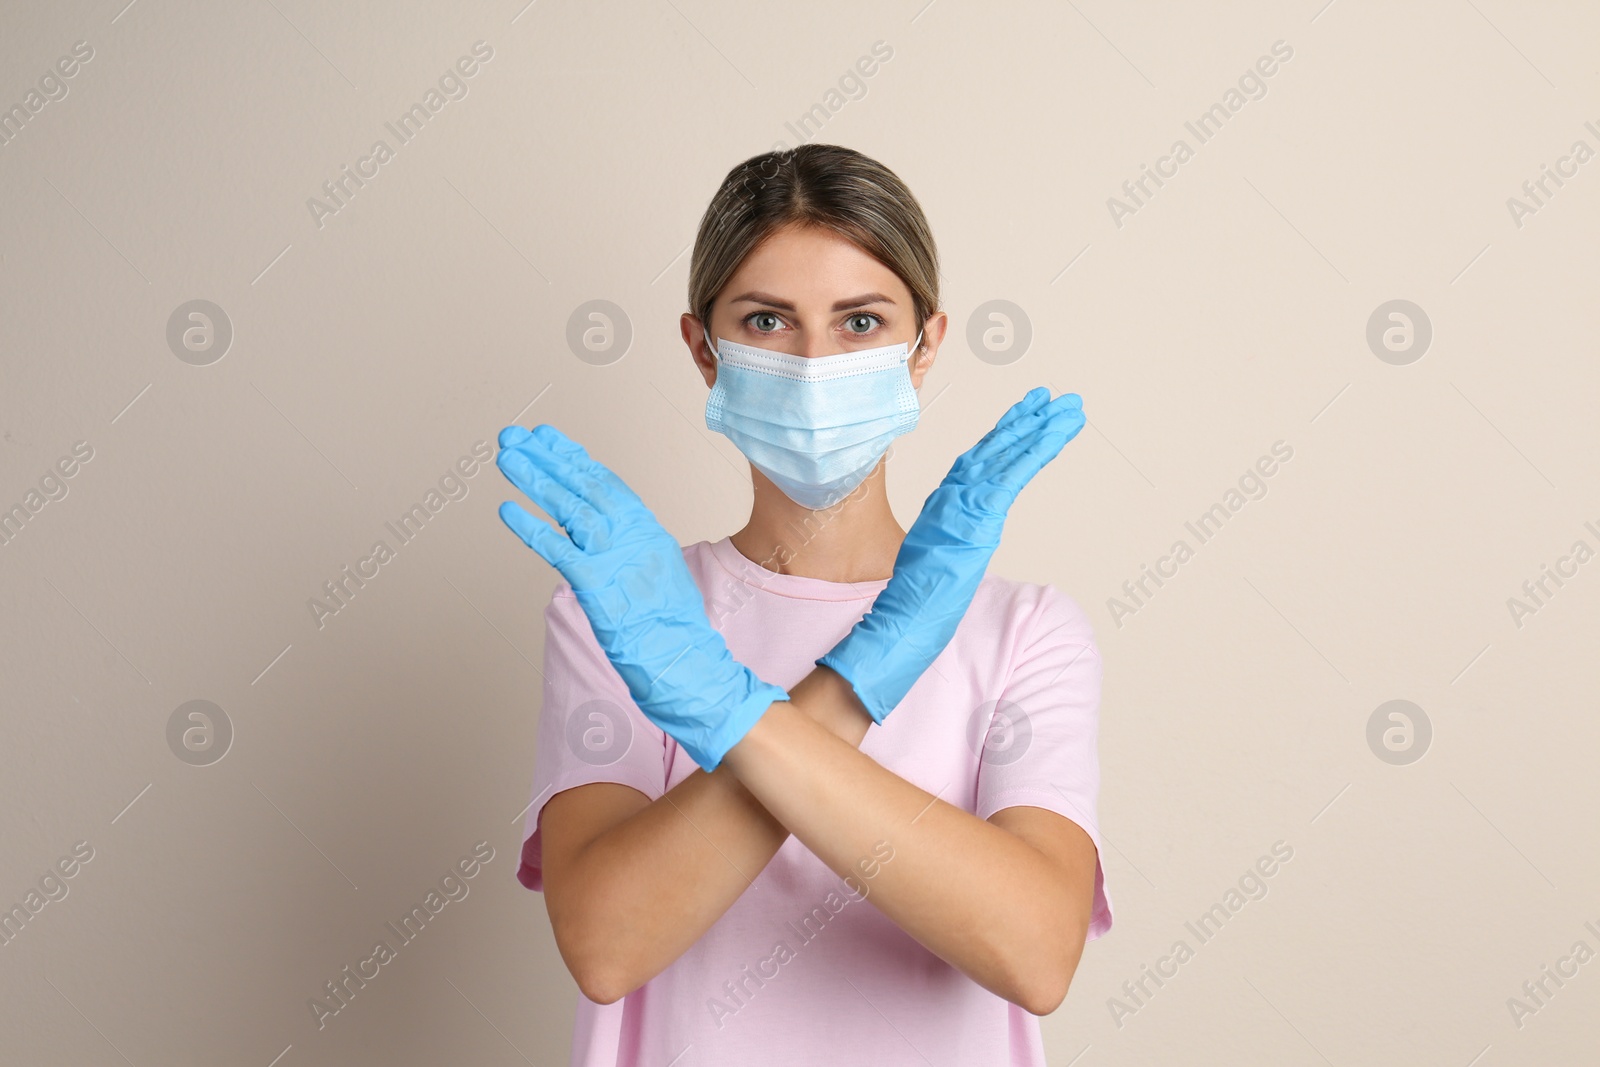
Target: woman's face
<point>809,292</point>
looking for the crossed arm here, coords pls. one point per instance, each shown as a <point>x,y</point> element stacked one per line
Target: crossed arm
<point>630,884</point>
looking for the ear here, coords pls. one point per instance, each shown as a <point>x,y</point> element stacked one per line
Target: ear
<point>933,331</point>
<point>705,360</point>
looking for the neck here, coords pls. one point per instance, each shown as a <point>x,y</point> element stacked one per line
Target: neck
<point>856,540</point>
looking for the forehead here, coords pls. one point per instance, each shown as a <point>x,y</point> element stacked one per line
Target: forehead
<point>812,266</point>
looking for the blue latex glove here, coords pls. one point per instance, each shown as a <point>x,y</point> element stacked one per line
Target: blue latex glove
<point>631,580</point>
<point>947,550</point>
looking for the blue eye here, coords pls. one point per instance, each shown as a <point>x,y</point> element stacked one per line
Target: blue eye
<point>757,320</point>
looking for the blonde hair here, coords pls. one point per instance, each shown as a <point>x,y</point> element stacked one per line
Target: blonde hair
<point>823,185</point>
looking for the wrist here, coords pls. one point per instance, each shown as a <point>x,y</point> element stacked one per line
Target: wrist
<point>829,699</point>
<point>844,664</point>
<point>708,744</point>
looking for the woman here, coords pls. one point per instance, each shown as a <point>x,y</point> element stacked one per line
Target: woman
<point>720,786</point>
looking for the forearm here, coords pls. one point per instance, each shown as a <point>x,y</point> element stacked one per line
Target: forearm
<point>840,802</point>
<point>649,887</point>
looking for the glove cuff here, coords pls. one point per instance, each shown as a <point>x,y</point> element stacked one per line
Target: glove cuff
<point>708,746</point>
<point>842,662</point>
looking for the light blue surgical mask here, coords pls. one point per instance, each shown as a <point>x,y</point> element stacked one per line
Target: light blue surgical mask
<point>816,426</point>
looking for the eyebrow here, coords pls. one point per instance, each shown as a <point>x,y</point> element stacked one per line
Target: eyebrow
<point>842,305</point>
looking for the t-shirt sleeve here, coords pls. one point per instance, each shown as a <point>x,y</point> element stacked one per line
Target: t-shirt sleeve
<point>590,730</point>
<point>1041,749</point>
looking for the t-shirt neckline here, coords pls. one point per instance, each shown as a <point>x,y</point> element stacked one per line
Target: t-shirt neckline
<point>798,586</point>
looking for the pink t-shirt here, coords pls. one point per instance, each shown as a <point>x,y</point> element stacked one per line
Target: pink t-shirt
<point>767,982</point>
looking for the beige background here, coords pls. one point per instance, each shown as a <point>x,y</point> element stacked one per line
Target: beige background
<point>370,353</point>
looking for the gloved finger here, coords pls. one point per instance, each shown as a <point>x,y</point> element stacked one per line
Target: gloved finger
<point>552,437</point>
<point>998,452</point>
<point>1013,432</point>
<point>584,475</point>
<point>1003,433</point>
<point>1030,460</point>
<point>512,436</point>
<point>1062,421</point>
<point>583,524</point>
<point>1031,401</point>
<point>1066,402</point>
<point>544,539</point>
